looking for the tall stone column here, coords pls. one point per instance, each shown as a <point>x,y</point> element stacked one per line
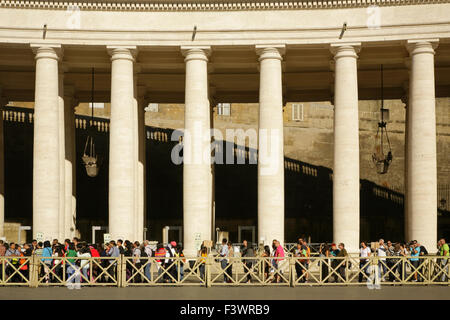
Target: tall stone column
<point>141,183</point>
<point>46,157</point>
<point>62,156</point>
<point>196,151</point>
<point>346,147</point>
<point>422,170</point>
<point>122,157</point>
<point>3,102</point>
<point>69,163</point>
<point>270,145</point>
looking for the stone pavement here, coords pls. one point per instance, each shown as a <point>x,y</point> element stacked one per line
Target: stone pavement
<point>230,293</point>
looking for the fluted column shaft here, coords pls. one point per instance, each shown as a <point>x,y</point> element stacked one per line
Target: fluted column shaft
<point>122,157</point>
<point>422,166</point>
<point>46,156</point>
<point>346,147</point>
<point>270,146</point>
<point>196,158</point>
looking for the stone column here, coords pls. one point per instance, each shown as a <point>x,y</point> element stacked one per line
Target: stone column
<point>422,170</point>
<point>70,163</point>
<point>270,145</point>
<point>3,102</point>
<point>62,156</point>
<point>196,151</point>
<point>46,157</point>
<point>141,183</point>
<point>122,157</point>
<point>346,147</point>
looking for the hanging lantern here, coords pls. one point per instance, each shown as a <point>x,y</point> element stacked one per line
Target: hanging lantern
<point>89,157</point>
<point>382,156</point>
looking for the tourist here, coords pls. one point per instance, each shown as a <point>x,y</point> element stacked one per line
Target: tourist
<point>113,252</point>
<point>364,253</point>
<point>120,246</point>
<point>73,272</point>
<point>390,262</point>
<point>300,252</point>
<point>147,262</point>
<point>181,261</point>
<point>422,265</point>
<point>278,258</point>
<point>136,262</point>
<point>247,252</point>
<point>266,261</point>
<point>308,255</point>
<point>230,262</point>
<point>381,252</point>
<point>203,255</point>
<point>160,253</point>
<point>85,254</point>
<point>400,251</point>
<point>324,253</point>
<point>58,254</point>
<point>2,254</point>
<point>170,264</point>
<point>334,251</point>
<point>444,252</point>
<point>47,252</point>
<point>342,254</point>
<point>414,251</point>
<point>224,252</point>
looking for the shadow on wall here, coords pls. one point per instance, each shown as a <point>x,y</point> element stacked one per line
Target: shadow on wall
<point>308,189</point>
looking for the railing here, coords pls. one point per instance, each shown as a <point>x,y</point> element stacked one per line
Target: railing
<point>210,271</point>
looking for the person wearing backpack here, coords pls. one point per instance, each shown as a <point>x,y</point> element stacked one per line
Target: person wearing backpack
<point>160,253</point>
<point>247,252</point>
<point>422,264</point>
<point>47,252</point>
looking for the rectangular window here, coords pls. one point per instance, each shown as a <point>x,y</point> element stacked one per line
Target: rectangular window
<point>297,112</point>
<point>224,109</point>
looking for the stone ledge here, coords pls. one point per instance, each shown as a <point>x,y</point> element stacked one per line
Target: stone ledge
<point>206,5</point>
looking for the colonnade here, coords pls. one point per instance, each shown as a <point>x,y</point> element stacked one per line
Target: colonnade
<point>53,162</point>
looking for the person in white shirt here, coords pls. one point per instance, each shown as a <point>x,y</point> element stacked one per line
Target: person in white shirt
<point>364,252</point>
<point>136,261</point>
<point>149,252</point>
<point>224,253</point>
<point>84,252</point>
<point>381,252</point>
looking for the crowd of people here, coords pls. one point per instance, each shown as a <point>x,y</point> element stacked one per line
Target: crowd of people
<point>78,266</point>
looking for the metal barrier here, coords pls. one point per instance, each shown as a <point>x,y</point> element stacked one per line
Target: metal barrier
<point>210,271</point>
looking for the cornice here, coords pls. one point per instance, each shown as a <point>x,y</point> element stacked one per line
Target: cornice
<point>205,5</point>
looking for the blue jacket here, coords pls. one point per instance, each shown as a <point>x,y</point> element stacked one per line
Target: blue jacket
<point>47,252</point>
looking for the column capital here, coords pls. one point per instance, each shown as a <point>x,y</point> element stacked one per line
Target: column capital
<point>122,52</point>
<point>421,46</point>
<point>270,51</point>
<point>345,49</point>
<point>50,51</point>
<point>195,52</point>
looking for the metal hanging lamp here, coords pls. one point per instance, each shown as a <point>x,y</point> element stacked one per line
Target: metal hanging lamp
<point>89,157</point>
<point>380,158</point>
